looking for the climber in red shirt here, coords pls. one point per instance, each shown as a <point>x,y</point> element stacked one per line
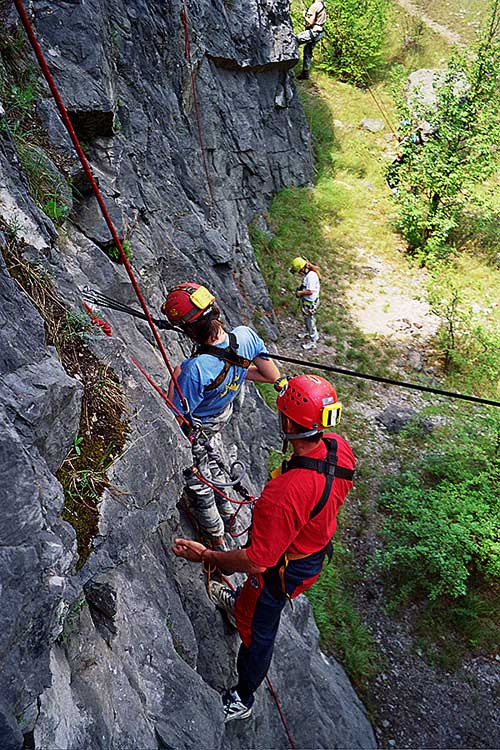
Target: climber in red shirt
<point>293,522</point>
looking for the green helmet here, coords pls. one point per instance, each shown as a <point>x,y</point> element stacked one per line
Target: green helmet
<point>298,264</point>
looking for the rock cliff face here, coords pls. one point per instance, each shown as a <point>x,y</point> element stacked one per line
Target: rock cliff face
<point>126,651</point>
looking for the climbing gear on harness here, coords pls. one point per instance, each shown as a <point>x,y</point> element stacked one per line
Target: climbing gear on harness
<point>228,354</point>
<point>280,383</point>
<point>188,302</point>
<point>298,263</point>
<point>275,576</point>
<point>96,321</point>
<point>234,708</point>
<point>224,598</point>
<point>311,402</point>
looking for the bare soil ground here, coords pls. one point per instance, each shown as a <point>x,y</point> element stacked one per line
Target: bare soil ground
<point>452,37</point>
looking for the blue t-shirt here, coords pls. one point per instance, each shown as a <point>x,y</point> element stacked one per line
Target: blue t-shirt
<point>200,371</point>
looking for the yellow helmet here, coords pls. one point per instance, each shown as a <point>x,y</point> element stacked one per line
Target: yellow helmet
<point>298,264</point>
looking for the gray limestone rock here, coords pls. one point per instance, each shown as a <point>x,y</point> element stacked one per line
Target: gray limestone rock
<point>127,651</point>
<point>373,126</point>
<point>396,417</point>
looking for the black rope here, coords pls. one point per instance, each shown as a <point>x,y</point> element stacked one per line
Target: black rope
<point>380,379</point>
<point>98,298</point>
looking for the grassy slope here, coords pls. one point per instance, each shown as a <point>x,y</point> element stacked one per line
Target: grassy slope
<point>350,208</point>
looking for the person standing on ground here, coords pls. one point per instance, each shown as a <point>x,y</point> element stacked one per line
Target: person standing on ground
<point>210,380</point>
<point>308,293</point>
<point>314,20</point>
<point>294,520</point>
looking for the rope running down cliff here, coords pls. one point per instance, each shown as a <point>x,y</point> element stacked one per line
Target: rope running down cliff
<point>83,160</point>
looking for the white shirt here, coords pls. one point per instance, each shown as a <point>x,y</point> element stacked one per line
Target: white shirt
<point>311,281</point>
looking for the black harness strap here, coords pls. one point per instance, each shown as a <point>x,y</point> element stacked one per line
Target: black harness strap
<point>329,467</point>
<point>275,576</point>
<point>228,355</point>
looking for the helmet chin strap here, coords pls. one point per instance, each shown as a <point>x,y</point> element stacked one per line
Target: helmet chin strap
<point>297,435</point>
<point>294,435</point>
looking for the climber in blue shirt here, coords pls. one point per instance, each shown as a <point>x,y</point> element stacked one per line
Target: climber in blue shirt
<point>210,380</point>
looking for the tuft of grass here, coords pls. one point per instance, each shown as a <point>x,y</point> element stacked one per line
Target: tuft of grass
<point>343,633</point>
<point>103,430</point>
<point>113,252</point>
<point>268,393</point>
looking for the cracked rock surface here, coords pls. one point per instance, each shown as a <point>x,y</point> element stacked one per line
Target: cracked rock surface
<point>127,651</point>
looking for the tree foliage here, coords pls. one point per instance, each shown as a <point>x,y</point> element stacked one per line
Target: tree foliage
<point>438,179</point>
<point>469,351</point>
<point>355,36</point>
<point>443,515</point>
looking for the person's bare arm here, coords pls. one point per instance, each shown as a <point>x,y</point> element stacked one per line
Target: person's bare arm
<point>262,371</point>
<point>232,561</point>
<point>177,372</point>
<point>303,292</point>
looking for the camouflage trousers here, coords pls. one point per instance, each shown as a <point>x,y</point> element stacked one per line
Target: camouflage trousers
<point>207,506</point>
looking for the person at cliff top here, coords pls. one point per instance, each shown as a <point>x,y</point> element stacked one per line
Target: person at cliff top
<point>314,20</point>
<point>210,380</point>
<point>308,293</point>
<point>293,522</point>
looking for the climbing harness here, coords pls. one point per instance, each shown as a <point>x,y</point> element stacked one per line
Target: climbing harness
<point>86,167</point>
<point>228,354</point>
<point>275,576</point>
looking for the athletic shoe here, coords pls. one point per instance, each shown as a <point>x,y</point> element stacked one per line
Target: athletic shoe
<point>309,345</point>
<point>223,598</point>
<point>234,708</point>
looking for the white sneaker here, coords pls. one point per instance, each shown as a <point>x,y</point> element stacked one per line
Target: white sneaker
<point>234,708</point>
<point>223,598</point>
<point>309,345</point>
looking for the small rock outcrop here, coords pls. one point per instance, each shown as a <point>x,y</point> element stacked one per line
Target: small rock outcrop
<point>125,650</point>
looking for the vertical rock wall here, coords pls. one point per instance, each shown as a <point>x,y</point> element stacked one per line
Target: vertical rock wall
<point>127,652</point>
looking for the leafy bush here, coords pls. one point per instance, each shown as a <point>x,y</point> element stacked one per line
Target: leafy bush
<point>443,523</point>
<point>355,36</point>
<point>437,536</point>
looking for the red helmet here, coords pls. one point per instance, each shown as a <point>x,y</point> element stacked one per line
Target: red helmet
<point>311,402</point>
<point>187,302</point>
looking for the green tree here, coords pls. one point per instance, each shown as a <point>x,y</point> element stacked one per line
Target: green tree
<point>355,36</point>
<point>469,350</point>
<point>450,145</point>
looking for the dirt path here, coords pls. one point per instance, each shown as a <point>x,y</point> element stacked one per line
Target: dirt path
<point>444,31</point>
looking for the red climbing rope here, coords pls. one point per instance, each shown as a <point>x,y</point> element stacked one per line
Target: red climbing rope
<point>231,586</point>
<point>96,321</point>
<point>161,393</point>
<point>83,160</point>
<point>214,487</point>
<point>187,50</point>
<point>280,710</point>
